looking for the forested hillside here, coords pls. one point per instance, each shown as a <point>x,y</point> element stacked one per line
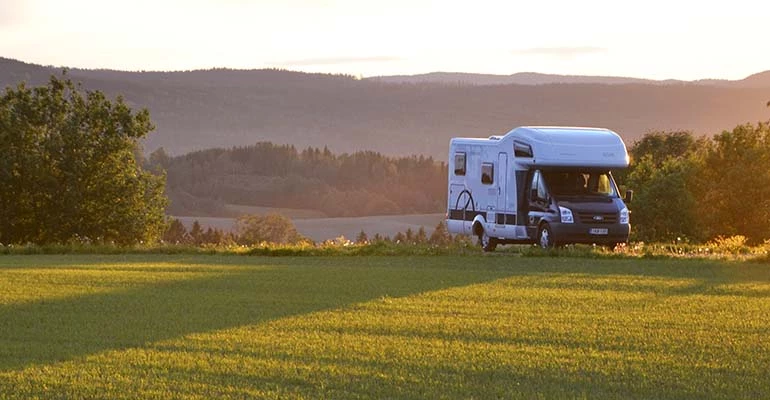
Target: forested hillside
<point>195,110</point>
<point>363,183</point>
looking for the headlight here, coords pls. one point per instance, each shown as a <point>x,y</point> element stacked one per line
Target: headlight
<point>566,215</point>
<point>624,215</point>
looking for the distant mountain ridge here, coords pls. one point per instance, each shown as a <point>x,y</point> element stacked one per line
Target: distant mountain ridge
<point>202,109</point>
<point>761,79</point>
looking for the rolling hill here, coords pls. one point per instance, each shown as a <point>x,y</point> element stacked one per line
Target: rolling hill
<point>221,107</point>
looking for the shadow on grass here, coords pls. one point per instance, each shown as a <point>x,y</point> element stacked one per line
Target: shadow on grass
<point>63,329</point>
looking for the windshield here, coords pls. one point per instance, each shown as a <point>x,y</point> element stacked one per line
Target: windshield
<point>580,183</point>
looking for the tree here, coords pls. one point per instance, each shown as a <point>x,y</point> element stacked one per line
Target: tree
<point>271,228</point>
<point>664,207</point>
<point>663,145</point>
<point>421,236</point>
<point>362,238</point>
<point>409,235</point>
<point>68,168</point>
<point>733,187</point>
<point>662,173</point>
<point>176,232</point>
<point>213,236</point>
<point>196,233</point>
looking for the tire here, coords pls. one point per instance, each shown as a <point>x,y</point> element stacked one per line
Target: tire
<point>486,242</point>
<point>545,237</point>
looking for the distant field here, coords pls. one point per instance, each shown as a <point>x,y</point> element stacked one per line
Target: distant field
<point>495,326</point>
<point>320,229</point>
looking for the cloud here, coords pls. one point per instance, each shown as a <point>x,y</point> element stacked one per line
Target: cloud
<point>334,61</point>
<point>560,52</point>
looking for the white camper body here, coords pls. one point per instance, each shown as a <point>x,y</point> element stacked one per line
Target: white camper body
<point>507,189</point>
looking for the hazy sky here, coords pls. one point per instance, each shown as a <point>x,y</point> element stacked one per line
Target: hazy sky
<point>650,39</point>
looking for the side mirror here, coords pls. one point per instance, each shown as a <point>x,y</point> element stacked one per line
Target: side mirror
<point>629,196</point>
<point>533,194</point>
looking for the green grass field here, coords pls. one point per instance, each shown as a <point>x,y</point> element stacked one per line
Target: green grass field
<point>497,326</point>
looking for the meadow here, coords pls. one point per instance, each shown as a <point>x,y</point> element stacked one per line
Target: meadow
<point>199,326</point>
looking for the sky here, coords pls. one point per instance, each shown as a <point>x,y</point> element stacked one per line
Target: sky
<point>653,39</point>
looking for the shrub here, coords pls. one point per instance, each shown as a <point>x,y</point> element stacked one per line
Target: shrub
<point>270,228</point>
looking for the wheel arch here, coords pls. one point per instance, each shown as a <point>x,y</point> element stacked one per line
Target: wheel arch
<point>477,227</point>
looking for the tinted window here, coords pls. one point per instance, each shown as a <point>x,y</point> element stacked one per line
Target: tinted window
<point>487,173</point>
<point>541,192</point>
<point>538,184</point>
<point>522,149</point>
<point>459,163</point>
<point>583,183</point>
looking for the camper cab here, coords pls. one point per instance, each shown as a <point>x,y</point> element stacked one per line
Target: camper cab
<point>544,185</point>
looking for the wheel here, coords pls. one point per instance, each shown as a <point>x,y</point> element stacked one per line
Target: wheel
<point>487,243</point>
<point>545,237</point>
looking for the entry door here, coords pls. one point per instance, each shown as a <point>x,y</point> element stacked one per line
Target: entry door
<point>502,182</point>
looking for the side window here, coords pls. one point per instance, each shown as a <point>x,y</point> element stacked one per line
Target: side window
<point>537,187</point>
<point>533,184</point>
<point>541,192</point>
<point>487,173</point>
<point>460,164</point>
<point>521,149</point>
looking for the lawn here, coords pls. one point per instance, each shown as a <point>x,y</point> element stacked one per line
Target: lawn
<point>481,326</point>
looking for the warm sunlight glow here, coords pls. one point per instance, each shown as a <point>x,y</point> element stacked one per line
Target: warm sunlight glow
<point>654,39</point>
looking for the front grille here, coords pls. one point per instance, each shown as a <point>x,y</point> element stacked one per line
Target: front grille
<point>597,218</point>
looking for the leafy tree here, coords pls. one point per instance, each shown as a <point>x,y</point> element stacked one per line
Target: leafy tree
<point>399,237</point>
<point>68,168</point>
<point>196,233</point>
<point>271,228</point>
<point>409,235</point>
<point>661,173</point>
<point>661,146</point>
<point>733,187</point>
<point>664,207</point>
<point>176,232</point>
<point>159,161</point>
<point>213,236</point>
<point>421,237</point>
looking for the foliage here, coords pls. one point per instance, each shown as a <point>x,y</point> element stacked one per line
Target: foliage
<point>68,169</point>
<point>381,327</point>
<point>266,174</point>
<point>734,183</point>
<point>731,245</point>
<point>440,235</point>
<point>664,207</point>
<point>175,232</point>
<point>362,237</point>
<point>270,228</point>
<point>697,190</point>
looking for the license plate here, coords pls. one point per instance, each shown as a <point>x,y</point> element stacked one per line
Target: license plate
<point>598,231</point>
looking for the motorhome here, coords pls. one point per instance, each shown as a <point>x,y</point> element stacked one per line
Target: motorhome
<point>543,185</point>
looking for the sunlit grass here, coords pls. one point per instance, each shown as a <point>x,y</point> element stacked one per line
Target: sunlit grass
<point>158,326</point>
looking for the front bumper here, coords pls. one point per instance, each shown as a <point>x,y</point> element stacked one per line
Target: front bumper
<point>581,233</point>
